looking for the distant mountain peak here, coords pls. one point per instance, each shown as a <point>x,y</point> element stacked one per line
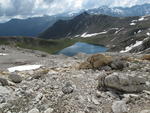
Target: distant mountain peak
<point>138,10</point>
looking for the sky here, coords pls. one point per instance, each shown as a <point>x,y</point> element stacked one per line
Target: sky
<point>32,8</point>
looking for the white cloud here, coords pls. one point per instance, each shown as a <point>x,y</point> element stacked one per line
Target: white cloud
<point>27,8</point>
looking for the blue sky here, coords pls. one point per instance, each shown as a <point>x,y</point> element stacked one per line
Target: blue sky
<point>27,8</point>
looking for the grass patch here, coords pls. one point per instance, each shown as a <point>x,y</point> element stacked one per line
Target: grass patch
<point>49,46</point>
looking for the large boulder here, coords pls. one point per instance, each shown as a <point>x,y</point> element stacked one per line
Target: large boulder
<point>99,60</point>
<point>96,61</point>
<point>129,83</point>
<point>146,57</point>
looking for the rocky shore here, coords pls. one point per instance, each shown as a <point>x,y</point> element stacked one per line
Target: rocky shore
<point>101,83</point>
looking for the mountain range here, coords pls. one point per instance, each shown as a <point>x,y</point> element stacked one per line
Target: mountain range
<point>35,26</point>
<point>28,27</point>
<point>138,10</point>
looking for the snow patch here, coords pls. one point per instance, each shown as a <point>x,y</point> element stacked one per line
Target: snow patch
<point>85,35</point>
<point>24,68</point>
<point>3,54</point>
<point>128,48</point>
<point>132,24</point>
<point>139,31</point>
<point>119,30</point>
<point>134,21</point>
<point>77,35</point>
<point>141,19</point>
<point>148,33</point>
<point>119,11</point>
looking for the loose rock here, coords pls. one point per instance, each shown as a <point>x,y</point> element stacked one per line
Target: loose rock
<point>119,107</point>
<point>118,65</point>
<point>3,82</point>
<point>15,78</point>
<point>145,111</point>
<point>123,82</point>
<point>96,61</point>
<point>49,110</point>
<point>35,110</point>
<point>68,88</point>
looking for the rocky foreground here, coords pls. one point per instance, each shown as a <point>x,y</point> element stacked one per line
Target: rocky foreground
<point>102,83</point>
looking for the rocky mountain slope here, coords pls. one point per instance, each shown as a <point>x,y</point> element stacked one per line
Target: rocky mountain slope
<point>102,83</point>
<point>28,27</point>
<point>118,34</point>
<point>85,23</point>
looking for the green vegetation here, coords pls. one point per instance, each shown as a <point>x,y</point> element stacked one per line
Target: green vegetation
<point>49,46</point>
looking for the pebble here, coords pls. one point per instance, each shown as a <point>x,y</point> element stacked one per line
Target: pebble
<point>49,110</point>
<point>68,88</point>
<point>95,101</point>
<point>145,111</point>
<point>119,107</point>
<point>35,110</point>
<point>2,99</point>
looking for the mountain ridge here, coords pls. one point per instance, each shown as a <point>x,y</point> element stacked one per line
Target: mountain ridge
<point>84,23</point>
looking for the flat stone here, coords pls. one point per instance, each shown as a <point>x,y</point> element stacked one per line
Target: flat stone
<point>49,110</point>
<point>4,90</point>
<point>35,110</point>
<point>145,111</point>
<point>119,107</point>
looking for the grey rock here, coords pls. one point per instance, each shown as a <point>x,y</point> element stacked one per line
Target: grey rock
<point>118,64</point>
<point>37,76</point>
<point>3,82</point>
<point>119,107</point>
<point>145,111</point>
<point>3,48</point>
<point>4,90</point>
<point>68,88</point>
<point>106,68</point>
<point>35,110</point>
<point>49,110</point>
<point>39,97</point>
<point>123,82</point>
<point>2,99</point>
<point>15,78</point>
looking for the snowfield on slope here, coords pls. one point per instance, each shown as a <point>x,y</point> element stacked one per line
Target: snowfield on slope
<point>23,68</point>
<point>85,35</point>
<point>128,48</point>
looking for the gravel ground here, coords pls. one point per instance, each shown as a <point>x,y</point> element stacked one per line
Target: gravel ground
<point>60,87</point>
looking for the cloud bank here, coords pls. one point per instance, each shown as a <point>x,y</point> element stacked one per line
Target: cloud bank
<point>29,8</point>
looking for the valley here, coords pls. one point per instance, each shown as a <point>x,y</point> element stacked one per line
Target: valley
<point>86,61</point>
